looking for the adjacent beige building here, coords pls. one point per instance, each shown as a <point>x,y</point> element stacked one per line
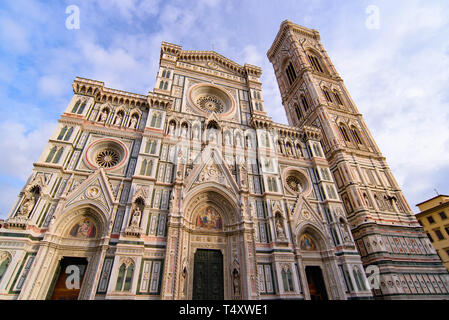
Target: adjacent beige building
<point>434,217</point>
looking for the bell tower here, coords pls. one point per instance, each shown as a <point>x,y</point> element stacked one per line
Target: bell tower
<point>384,227</point>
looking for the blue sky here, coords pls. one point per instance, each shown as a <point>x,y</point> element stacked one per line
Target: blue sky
<point>397,74</point>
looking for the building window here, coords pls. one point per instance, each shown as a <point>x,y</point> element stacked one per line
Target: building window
<point>344,133</point>
<point>66,134</point>
<point>54,155</point>
<point>430,219</point>
<point>358,277</point>
<point>4,263</point>
<point>328,96</point>
<point>439,234</point>
<point>304,102</point>
<point>356,135</point>
<point>315,62</point>
<point>291,74</point>
<point>272,185</point>
<point>124,278</point>
<point>429,236</point>
<point>81,109</point>
<point>287,279</point>
<point>443,215</point>
<point>265,279</point>
<point>337,98</point>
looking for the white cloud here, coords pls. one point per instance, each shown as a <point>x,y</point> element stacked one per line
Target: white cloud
<point>20,148</point>
<point>51,85</point>
<point>14,37</point>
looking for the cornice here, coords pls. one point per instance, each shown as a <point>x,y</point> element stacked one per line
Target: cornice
<point>286,26</point>
<point>100,93</point>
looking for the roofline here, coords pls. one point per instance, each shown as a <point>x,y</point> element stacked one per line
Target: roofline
<point>285,25</point>
<point>440,195</point>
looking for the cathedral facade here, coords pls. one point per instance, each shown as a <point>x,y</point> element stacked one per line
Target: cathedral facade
<point>193,192</point>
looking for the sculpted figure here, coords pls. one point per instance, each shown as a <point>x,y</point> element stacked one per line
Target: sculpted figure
<point>135,221</point>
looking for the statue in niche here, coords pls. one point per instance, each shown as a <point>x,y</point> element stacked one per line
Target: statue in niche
<point>249,142</point>
<point>344,230</point>
<point>227,139</point>
<point>133,123</point>
<point>118,119</point>
<point>184,281</point>
<point>135,221</point>
<point>196,133</point>
<point>243,172</point>
<point>184,131</point>
<point>289,150</point>
<point>279,229</point>
<point>104,115</point>
<point>171,129</point>
<point>236,282</point>
<point>28,204</point>
<point>238,141</point>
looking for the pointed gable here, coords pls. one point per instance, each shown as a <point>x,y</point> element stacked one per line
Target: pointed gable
<point>95,190</point>
<point>211,167</point>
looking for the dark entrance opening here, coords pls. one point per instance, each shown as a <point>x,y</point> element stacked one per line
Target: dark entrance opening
<point>68,279</point>
<point>208,275</point>
<point>316,284</point>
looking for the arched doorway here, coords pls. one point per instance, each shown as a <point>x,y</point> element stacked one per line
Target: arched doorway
<point>78,237</point>
<point>315,282</point>
<point>69,278</point>
<point>312,248</point>
<point>74,244</point>
<point>211,257</point>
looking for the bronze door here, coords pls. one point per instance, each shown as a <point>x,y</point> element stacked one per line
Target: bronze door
<point>60,289</point>
<point>208,275</point>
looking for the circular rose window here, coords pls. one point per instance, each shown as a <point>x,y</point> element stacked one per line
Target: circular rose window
<point>210,104</point>
<point>106,153</point>
<point>209,98</point>
<point>107,158</point>
<point>296,181</point>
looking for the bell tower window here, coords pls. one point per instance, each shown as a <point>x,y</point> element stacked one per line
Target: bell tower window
<point>315,62</point>
<point>304,102</point>
<point>291,74</point>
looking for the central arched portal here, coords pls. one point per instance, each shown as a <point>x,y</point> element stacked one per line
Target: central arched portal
<point>212,247</point>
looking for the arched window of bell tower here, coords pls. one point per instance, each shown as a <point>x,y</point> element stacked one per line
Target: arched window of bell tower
<point>315,61</point>
<point>304,102</point>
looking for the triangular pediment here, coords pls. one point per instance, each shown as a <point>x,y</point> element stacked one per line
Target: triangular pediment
<point>211,60</point>
<point>211,168</point>
<point>96,190</point>
<point>304,211</point>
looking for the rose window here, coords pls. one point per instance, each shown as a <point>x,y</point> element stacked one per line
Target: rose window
<point>108,153</point>
<point>210,104</point>
<point>207,98</point>
<point>294,183</point>
<point>107,158</point>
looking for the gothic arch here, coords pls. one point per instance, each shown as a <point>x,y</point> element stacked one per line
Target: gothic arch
<point>314,231</point>
<point>215,194</point>
<point>65,221</point>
